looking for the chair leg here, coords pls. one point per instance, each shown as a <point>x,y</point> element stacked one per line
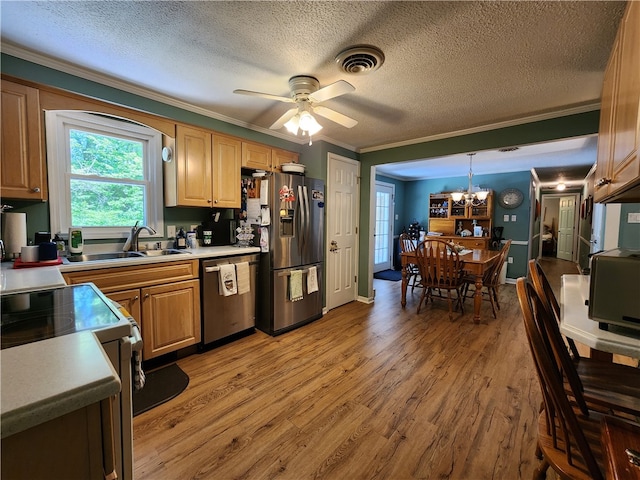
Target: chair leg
<point>450,305</point>
<point>424,293</point>
<point>495,295</point>
<point>493,302</point>
<point>540,473</point>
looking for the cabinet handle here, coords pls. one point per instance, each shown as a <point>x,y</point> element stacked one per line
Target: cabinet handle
<point>603,181</point>
<point>135,298</point>
<point>36,190</point>
<point>215,201</point>
<point>146,295</point>
<point>208,200</point>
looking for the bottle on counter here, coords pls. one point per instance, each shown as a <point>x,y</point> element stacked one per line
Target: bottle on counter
<point>181,239</point>
<point>60,246</point>
<point>75,241</point>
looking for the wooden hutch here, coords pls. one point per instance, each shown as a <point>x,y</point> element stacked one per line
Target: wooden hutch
<point>449,218</point>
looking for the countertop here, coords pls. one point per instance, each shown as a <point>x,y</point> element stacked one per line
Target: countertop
<point>47,379</point>
<point>576,323</point>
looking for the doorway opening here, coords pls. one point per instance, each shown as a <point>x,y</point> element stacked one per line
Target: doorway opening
<point>383,227</point>
<point>559,226</point>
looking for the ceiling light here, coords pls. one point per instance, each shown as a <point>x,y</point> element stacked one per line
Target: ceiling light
<point>561,186</point>
<point>303,120</point>
<point>470,197</point>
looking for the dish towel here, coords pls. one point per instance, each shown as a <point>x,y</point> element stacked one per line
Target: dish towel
<point>312,280</point>
<point>264,192</point>
<point>264,239</point>
<point>265,215</point>
<point>228,284</point>
<point>295,285</point>
<point>242,274</point>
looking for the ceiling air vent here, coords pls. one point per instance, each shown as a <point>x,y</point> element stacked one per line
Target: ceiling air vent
<point>508,149</point>
<point>360,59</point>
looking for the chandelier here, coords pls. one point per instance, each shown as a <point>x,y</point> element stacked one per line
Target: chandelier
<point>470,197</point>
<point>303,120</point>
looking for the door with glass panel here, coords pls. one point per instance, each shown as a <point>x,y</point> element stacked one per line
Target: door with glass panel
<point>383,232</point>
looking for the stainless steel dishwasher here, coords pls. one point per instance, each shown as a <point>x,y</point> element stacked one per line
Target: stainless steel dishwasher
<point>223,316</point>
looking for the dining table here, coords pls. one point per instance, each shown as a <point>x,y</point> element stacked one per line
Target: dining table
<point>476,263</point>
<point>576,324</point>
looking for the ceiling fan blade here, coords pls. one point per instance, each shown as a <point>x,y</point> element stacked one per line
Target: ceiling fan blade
<point>289,114</point>
<point>331,91</point>
<point>335,116</point>
<point>265,95</point>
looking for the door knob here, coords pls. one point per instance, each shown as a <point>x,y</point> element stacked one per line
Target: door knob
<point>334,246</point>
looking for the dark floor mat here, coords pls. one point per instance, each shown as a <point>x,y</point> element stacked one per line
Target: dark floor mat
<point>392,275</point>
<point>160,386</point>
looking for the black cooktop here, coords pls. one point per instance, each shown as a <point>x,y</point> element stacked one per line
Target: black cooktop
<point>34,316</point>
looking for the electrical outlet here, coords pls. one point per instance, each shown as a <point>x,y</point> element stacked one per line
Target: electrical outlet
<point>171,231</point>
<point>510,259</point>
<point>633,217</point>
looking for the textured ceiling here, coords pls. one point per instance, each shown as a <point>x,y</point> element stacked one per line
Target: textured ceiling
<point>450,66</point>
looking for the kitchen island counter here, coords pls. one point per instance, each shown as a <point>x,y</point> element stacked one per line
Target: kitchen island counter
<point>47,379</point>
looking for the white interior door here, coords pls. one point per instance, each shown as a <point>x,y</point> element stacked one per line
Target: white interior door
<point>383,230</point>
<point>342,230</point>
<point>566,227</point>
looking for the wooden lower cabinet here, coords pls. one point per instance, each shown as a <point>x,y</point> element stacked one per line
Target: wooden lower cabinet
<point>163,298</point>
<point>167,317</point>
<point>78,445</point>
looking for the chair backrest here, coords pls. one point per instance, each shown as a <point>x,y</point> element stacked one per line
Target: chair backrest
<point>560,416</point>
<point>492,274</point>
<point>545,292</point>
<point>440,266</point>
<point>407,244</point>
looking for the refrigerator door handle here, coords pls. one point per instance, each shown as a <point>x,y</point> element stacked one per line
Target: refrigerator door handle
<point>306,213</point>
<point>302,232</point>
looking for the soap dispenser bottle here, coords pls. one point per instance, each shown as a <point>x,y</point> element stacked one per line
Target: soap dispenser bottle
<point>181,239</point>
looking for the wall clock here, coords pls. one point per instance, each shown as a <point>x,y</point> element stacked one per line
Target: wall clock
<point>510,198</point>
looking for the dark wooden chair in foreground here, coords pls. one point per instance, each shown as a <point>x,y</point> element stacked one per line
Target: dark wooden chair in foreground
<point>440,269</point>
<point>610,387</point>
<point>408,244</point>
<point>490,280</point>
<point>568,440</point>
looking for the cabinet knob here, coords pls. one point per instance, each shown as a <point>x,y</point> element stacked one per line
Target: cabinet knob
<point>146,295</point>
<point>136,298</point>
<point>603,181</point>
<point>35,189</point>
<point>208,200</point>
<point>215,201</point>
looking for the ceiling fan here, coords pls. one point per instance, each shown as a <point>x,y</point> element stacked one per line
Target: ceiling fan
<point>307,95</point>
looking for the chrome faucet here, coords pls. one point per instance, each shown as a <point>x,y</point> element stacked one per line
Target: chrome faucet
<point>133,236</point>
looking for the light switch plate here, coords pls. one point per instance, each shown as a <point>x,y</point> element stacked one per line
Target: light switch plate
<point>510,259</point>
<point>506,218</point>
<point>513,218</point>
<point>171,231</point>
<point>633,217</point>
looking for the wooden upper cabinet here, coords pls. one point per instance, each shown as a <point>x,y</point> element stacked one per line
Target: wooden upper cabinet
<point>227,159</point>
<point>278,157</point>
<point>194,167</point>
<point>618,167</point>
<point>256,156</point>
<point>22,164</point>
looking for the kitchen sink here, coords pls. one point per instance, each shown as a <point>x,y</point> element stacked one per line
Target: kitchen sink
<point>166,251</point>
<point>104,256</point>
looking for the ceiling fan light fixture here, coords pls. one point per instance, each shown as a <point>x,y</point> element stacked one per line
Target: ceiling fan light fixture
<point>293,124</point>
<point>309,124</point>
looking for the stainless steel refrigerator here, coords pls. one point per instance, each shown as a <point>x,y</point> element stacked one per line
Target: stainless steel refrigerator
<point>296,237</point>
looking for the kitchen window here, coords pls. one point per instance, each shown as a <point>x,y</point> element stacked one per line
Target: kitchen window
<point>104,174</point>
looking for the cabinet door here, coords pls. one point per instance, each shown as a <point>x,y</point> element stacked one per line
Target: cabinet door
<point>256,156</point>
<point>170,317</point>
<point>193,157</point>
<point>130,301</point>
<point>626,163</point>
<point>22,165</point>
<point>278,157</point>
<point>227,152</point>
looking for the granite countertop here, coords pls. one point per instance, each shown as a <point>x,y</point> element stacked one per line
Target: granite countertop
<point>47,379</point>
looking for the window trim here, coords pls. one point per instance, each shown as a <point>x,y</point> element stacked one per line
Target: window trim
<point>57,123</point>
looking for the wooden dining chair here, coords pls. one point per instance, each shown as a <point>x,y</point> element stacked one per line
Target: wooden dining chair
<point>605,385</point>
<point>568,440</point>
<point>490,280</point>
<point>408,244</point>
<point>440,269</point>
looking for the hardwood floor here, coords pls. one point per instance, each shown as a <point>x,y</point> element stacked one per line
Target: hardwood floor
<point>366,392</point>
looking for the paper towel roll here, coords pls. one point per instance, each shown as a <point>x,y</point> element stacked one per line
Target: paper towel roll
<point>14,232</point>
